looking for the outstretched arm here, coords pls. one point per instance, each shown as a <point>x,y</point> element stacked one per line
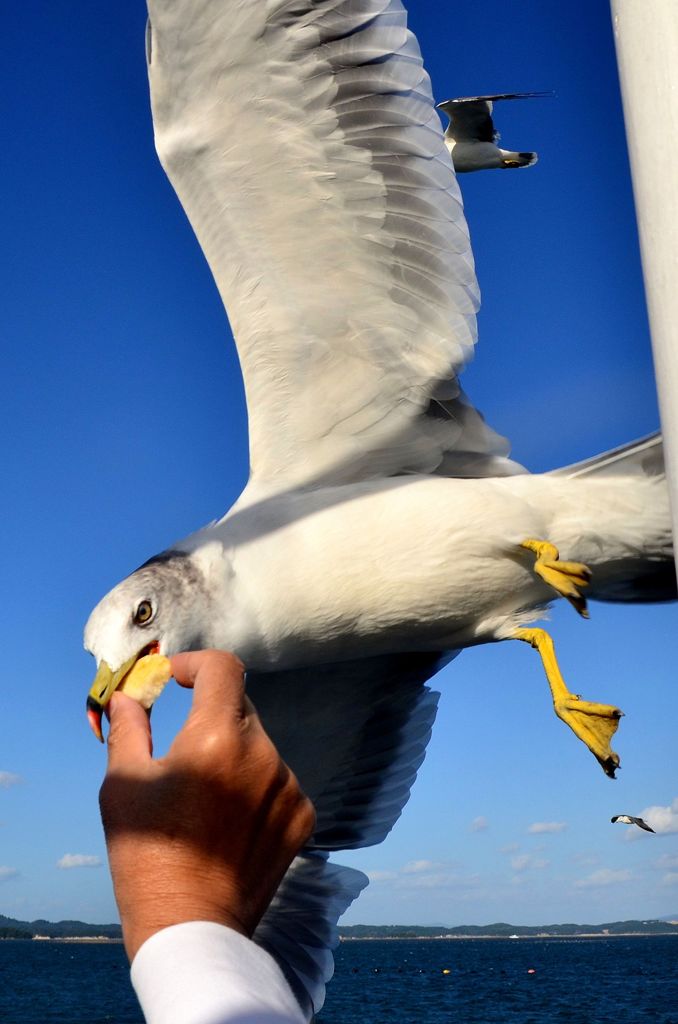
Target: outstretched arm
<point>204,835</point>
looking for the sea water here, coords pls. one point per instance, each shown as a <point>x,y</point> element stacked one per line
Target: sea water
<point>507,981</point>
<point>440,981</point>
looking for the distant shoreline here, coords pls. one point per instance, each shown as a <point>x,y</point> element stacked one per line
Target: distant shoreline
<point>91,940</point>
<point>12,929</point>
<point>104,940</point>
<point>504,938</point>
<point>549,936</point>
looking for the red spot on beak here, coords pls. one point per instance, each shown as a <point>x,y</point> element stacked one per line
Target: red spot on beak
<point>94,712</point>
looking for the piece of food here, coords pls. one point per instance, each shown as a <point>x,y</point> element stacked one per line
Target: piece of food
<point>142,677</point>
<point>147,679</point>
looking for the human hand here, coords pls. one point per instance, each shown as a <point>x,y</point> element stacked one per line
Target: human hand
<point>206,832</point>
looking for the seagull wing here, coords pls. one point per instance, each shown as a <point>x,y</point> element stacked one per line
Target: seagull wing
<point>470,119</point>
<point>355,735</point>
<point>303,143</point>
<point>491,97</point>
<point>471,116</point>
<point>355,740</point>
<point>629,819</point>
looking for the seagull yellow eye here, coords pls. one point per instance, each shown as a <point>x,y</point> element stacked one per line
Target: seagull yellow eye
<point>144,613</point>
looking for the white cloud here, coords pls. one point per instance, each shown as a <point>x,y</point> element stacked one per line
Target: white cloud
<point>668,863</point>
<point>522,879</point>
<point>526,862</point>
<point>510,848</point>
<point>541,827</point>
<point>442,879</point>
<point>425,874</point>
<point>79,860</point>
<point>667,860</point>
<point>585,859</point>
<point>664,820</point>
<point>7,873</point>
<point>414,867</point>
<point>381,876</point>
<point>8,779</point>
<point>633,834</point>
<point>604,876</point>
<point>479,824</point>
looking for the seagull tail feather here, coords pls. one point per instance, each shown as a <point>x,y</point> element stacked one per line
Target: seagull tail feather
<point>644,456</point>
<point>299,929</point>
<point>651,576</point>
<point>509,159</point>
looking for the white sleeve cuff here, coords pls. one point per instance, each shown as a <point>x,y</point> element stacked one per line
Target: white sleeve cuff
<point>205,973</point>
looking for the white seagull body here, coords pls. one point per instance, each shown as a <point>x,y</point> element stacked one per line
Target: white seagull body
<point>383,526</point>
<point>472,138</point>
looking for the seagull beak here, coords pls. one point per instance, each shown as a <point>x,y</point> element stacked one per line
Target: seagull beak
<point>105,684</point>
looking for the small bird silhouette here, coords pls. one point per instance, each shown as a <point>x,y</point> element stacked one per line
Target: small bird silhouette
<point>628,819</point>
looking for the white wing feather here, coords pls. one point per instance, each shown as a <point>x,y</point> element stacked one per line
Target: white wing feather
<point>303,143</point>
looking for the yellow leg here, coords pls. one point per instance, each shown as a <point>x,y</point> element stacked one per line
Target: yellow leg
<point>594,724</point>
<point>565,577</point>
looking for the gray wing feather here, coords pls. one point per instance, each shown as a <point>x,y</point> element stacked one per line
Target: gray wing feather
<point>470,120</point>
<point>355,734</point>
<point>471,116</point>
<point>644,456</point>
<point>300,929</point>
<point>302,140</point>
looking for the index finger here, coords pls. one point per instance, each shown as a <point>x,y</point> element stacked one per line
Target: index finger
<point>216,677</point>
<point>129,738</point>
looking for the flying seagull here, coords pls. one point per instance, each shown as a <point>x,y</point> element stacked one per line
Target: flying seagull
<point>472,138</point>
<point>384,527</point>
<point>628,819</point>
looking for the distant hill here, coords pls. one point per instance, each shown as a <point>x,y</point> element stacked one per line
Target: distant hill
<point>10,928</point>
<point>10,932</point>
<point>503,930</point>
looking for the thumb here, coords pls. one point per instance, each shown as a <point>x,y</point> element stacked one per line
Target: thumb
<point>129,739</point>
<point>217,678</point>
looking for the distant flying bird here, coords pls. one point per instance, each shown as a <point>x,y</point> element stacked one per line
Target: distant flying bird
<point>383,528</point>
<point>628,819</point>
<point>472,138</point>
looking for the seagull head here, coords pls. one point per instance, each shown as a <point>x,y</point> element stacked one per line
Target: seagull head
<point>161,608</point>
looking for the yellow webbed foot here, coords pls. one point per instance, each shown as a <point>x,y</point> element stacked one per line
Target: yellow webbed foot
<point>566,578</point>
<point>594,724</point>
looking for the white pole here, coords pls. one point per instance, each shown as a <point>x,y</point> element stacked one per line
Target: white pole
<point>646,37</point>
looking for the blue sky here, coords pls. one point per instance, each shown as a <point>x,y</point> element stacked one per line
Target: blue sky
<point>124,429</point>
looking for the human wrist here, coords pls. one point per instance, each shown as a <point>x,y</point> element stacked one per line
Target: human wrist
<point>149,903</point>
<point>149,917</point>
